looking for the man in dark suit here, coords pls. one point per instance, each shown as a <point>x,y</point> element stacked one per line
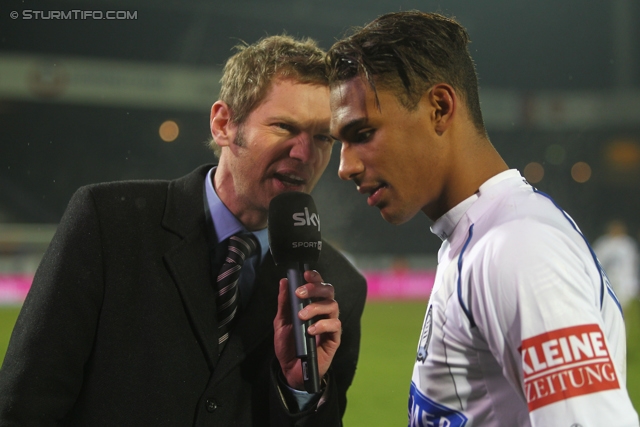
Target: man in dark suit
<point>122,327</point>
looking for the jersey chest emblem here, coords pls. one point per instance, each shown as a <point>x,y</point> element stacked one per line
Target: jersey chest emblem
<point>425,337</point>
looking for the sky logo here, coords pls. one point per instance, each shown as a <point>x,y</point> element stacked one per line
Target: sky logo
<point>304,218</point>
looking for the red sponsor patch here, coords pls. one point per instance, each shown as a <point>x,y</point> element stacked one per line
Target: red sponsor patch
<point>566,363</point>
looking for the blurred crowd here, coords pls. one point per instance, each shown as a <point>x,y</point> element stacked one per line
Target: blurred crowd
<point>617,251</point>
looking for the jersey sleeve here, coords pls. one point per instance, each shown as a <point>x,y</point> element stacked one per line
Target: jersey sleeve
<point>538,299</point>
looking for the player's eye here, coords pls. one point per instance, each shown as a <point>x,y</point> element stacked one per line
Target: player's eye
<point>363,135</point>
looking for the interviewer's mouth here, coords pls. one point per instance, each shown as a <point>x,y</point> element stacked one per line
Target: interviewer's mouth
<point>291,181</point>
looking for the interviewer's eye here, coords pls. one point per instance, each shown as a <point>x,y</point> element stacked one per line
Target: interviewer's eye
<point>325,138</point>
<point>286,127</point>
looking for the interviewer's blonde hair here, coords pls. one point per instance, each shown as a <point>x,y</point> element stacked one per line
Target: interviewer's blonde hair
<point>248,74</point>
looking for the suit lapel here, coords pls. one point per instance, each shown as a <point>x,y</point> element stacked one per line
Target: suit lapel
<point>188,261</point>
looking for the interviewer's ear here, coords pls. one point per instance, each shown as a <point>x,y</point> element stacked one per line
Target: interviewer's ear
<point>444,100</point>
<point>222,128</point>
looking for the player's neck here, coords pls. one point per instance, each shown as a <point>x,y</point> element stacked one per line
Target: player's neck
<point>475,161</point>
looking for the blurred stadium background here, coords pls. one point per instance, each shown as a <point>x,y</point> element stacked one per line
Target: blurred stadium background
<point>84,99</point>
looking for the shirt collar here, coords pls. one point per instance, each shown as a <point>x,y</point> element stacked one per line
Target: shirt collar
<point>224,222</point>
<point>444,226</point>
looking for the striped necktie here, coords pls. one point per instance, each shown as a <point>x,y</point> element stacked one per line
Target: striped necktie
<point>240,248</point>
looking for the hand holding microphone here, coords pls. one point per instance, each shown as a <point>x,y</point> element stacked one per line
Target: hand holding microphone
<point>304,350</point>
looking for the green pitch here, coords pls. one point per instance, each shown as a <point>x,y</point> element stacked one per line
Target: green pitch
<point>8,315</point>
<point>378,396</point>
<point>380,390</point>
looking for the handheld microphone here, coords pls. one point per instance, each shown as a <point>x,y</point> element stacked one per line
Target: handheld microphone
<point>295,242</point>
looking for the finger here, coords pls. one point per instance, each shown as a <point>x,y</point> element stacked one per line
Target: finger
<point>312,276</point>
<point>319,290</point>
<point>326,326</point>
<point>324,308</point>
<point>283,308</point>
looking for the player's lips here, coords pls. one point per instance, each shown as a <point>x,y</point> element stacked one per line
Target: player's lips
<point>374,191</point>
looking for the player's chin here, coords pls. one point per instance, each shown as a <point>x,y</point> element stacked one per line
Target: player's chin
<point>395,216</point>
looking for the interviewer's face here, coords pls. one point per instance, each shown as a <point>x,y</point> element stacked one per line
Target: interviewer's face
<point>391,153</point>
<point>283,145</point>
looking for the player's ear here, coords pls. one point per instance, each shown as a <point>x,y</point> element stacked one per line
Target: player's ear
<point>223,129</point>
<point>444,102</point>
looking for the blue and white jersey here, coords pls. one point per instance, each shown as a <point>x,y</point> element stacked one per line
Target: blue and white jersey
<point>522,328</point>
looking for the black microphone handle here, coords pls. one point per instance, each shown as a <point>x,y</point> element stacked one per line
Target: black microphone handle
<point>305,343</point>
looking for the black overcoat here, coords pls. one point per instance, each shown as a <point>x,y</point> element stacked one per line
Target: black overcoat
<point>119,327</point>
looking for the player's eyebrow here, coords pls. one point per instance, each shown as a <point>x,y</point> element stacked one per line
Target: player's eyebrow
<point>355,123</point>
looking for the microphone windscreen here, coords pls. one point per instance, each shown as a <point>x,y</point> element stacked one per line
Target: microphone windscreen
<point>294,228</point>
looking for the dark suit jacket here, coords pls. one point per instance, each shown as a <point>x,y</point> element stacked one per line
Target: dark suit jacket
<point>119,328</point>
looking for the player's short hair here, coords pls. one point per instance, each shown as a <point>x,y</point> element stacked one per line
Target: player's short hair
<point>248,74</point>
<point>407,53</point>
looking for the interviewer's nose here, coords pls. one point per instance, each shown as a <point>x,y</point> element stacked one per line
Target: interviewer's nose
<point>303,148</point>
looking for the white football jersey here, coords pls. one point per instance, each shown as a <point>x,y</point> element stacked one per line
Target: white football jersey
<point>522,327</point>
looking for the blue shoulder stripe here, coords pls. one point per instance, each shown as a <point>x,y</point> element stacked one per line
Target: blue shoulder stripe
<point>593,254</point>
<point>467,312</point>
